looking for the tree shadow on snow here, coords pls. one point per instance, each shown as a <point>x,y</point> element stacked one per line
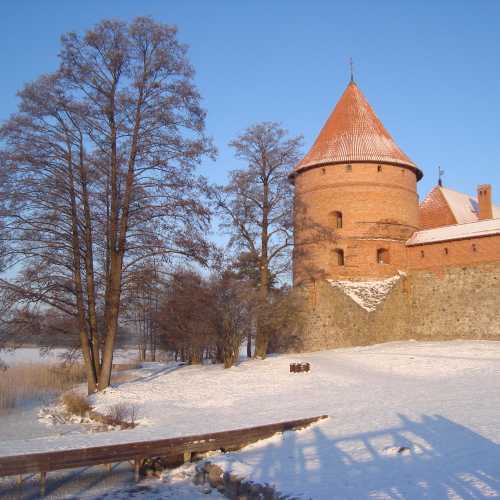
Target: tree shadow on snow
<point>155,372</point>
<point>431,458</point>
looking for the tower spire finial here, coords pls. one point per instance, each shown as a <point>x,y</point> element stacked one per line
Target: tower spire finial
<point>440,176</point>
<point>351,65</point>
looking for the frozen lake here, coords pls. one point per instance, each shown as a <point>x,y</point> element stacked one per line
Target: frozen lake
<point>35,355</point>
<point>29,355</point>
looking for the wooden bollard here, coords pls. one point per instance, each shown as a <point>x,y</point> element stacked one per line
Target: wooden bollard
<point>137,466</point>
<point>43,477</point>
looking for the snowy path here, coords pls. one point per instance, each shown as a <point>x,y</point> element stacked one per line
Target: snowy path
<point>438,401</point>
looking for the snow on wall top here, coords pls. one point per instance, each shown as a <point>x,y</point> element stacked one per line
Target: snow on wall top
<point>353,133</point>
<point>487,227</point>
<point>367,294</point>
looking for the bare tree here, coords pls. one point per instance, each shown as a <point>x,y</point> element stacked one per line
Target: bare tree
<point>142,294</point>
<point>99,168</point>
<point>256,207</point>
<point>231,314</point>
<point>245,267</point>
<point>184,317</point>
<point>203,318</point>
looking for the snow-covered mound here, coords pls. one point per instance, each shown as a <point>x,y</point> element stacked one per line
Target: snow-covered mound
<point>367,294</point>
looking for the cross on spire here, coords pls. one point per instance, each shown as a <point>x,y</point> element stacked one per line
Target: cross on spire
<point>351,65</point>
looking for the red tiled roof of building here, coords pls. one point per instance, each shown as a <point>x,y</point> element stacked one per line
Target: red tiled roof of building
<point>353,133</point>
<point>435,210</point>
<point>443,206</point>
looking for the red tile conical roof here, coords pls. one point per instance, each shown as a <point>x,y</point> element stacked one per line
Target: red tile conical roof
<point>353,133</point>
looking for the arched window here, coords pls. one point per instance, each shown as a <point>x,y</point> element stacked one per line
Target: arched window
<point>383,256</point>
<point>340,256</point>
<point>337,216</point>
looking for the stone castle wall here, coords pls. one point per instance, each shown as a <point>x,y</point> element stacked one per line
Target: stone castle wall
<point>449,303</point>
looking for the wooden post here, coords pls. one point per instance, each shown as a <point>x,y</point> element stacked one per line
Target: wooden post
<point>43,477</point>
<point>109,467</point>
<point>137,466</point>
<point>187,456</point>
<point>19,479</point>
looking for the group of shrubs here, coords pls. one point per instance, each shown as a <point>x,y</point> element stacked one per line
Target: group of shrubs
<point>123,415</point>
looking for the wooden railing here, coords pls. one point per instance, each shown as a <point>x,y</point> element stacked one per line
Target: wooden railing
<point>137,452</point>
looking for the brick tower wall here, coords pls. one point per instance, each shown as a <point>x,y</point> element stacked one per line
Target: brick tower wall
<point>379,206</point>
<point>466,252</point>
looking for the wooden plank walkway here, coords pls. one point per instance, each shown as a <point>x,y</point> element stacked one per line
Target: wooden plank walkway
<point>137,452</point>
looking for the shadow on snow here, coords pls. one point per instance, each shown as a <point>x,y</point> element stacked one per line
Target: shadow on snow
<point>433,457</point>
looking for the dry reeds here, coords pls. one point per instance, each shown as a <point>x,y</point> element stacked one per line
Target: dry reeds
<point>75,403</point>
<point>34,380</point>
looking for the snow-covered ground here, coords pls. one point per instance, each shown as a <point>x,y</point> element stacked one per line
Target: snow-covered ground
<point>408,420</point>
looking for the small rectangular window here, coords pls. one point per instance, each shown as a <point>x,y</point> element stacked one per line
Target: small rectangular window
<point>383,256</point>
<point>340,256</point>
<point>422,253</point>
<point>474,248</point>
<point>348,168</point>
<point>446,251</point>
<point>379,168</point>
<point>338,219</point>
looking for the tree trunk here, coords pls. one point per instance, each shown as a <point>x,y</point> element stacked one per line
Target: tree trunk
<point>89,264</point>
<point>113,274</point>
<point>111,320</point>
<point>262,335</point>
<point>119,227</point>
<point>249,345</point>
<point>77,278</point>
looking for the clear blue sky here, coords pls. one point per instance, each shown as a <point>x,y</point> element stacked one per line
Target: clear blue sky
<point>430,69</point>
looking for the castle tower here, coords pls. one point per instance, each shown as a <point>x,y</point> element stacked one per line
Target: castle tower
<point>356,199</point>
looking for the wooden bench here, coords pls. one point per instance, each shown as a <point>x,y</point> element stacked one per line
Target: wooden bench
<point>137,452</point>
